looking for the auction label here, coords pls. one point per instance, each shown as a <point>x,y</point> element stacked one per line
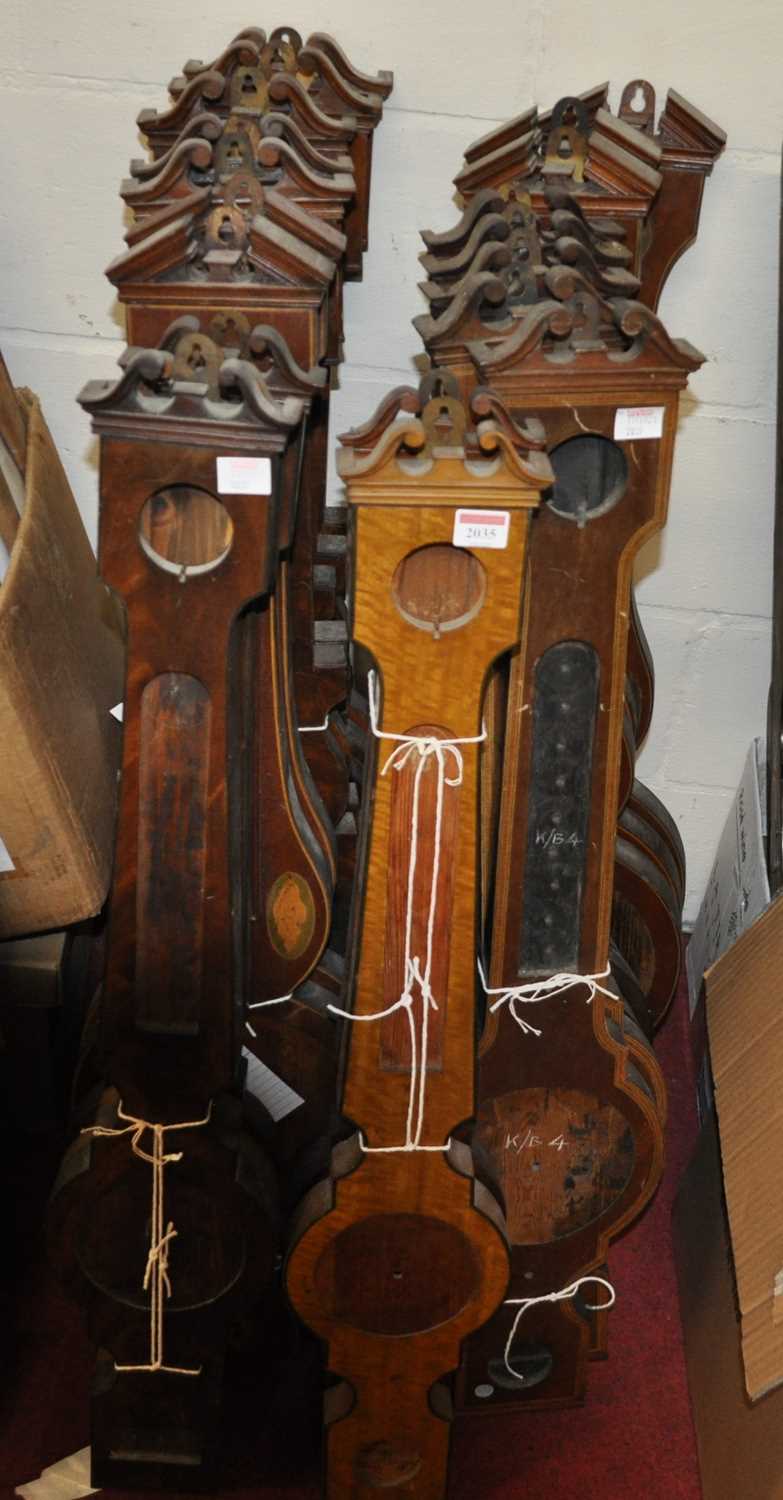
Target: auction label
<point>244,476</point>
<point>481,528</point>
<point>634,422</point>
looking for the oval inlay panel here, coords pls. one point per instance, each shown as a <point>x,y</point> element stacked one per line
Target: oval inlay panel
<point>290,915</point>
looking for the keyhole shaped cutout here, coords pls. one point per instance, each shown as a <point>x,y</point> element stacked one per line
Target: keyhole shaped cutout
<point>639,101</point>
<point>439,587</point>
<point>185,531</point>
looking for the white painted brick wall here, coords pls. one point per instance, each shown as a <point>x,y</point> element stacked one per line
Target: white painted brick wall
<point>75,74</point>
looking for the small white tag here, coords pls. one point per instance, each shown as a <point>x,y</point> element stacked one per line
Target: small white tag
<point>634,422</point>
<point>270,1090</point>
<point>117,712</point>
<point>481,528</point>
<point>67,1480</point>
<point>6,862</point>
<point>244,476</point>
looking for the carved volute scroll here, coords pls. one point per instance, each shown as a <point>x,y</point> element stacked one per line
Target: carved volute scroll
<point>432,613</point>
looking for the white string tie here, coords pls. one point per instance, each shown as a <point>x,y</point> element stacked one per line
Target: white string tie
<point>259,1005</point>
<point>416,975</point>
<point>156,1272</point>
<point>542,989</point>
<point>565,1295</point>
<point>314,728</point>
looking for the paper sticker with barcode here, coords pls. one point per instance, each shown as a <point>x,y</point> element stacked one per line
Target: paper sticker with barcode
<point>481,528</point>
<point>244,475</point>
<point>6,862</point>
<point>634,422</point>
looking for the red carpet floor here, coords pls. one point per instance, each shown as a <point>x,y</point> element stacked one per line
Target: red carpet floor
<point>633,1437</point>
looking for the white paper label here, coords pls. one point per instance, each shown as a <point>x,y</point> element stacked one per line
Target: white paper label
<point>244,476</point>
<point>6,862</point>
<point>634,422</point>
<point>67,1480</point>
<point>481,528</point>
<point>271,1091</point>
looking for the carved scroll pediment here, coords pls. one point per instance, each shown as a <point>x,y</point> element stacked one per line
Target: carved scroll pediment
<point>451,242</point>
<point>284,127</point>
<point>334,92</point>
<point>290,95</point>
<point>433,419</point>
<point>465,314</point>
<point>186,167</point>
<point>589,332</point>
<point>489,228</point>
<point>188,392</point>
<point>245,49</point>
<point>206,125</point>
<point>279,164</point>
<point>163,127</point>
<point>380,83</point>
<point>199,355</point>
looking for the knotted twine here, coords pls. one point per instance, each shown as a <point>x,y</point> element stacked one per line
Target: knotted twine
<point>156,1274</point>
<point>416,973</point>
<point>564,1295</point>
<point>542,989</point>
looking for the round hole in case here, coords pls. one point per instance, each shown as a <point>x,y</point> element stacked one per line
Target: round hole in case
<point>439,587</point>
<point>591,475</point>
<point>185,531</point>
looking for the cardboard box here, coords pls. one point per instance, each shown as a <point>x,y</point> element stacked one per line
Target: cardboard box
<point>737,893</point>
<point>744,1010</point>
<point>730,1251</point>
<point>61,672</point>
<point>738,888</point>
<point>740,1442</point>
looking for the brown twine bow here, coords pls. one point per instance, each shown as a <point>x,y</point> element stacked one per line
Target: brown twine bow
<point>156,1273</point>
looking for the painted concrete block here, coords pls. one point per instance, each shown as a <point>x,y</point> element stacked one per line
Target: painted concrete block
<point>716,550</point>
<point>721,705</point>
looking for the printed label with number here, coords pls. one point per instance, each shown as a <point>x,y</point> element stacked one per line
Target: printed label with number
<point>481,528</point>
